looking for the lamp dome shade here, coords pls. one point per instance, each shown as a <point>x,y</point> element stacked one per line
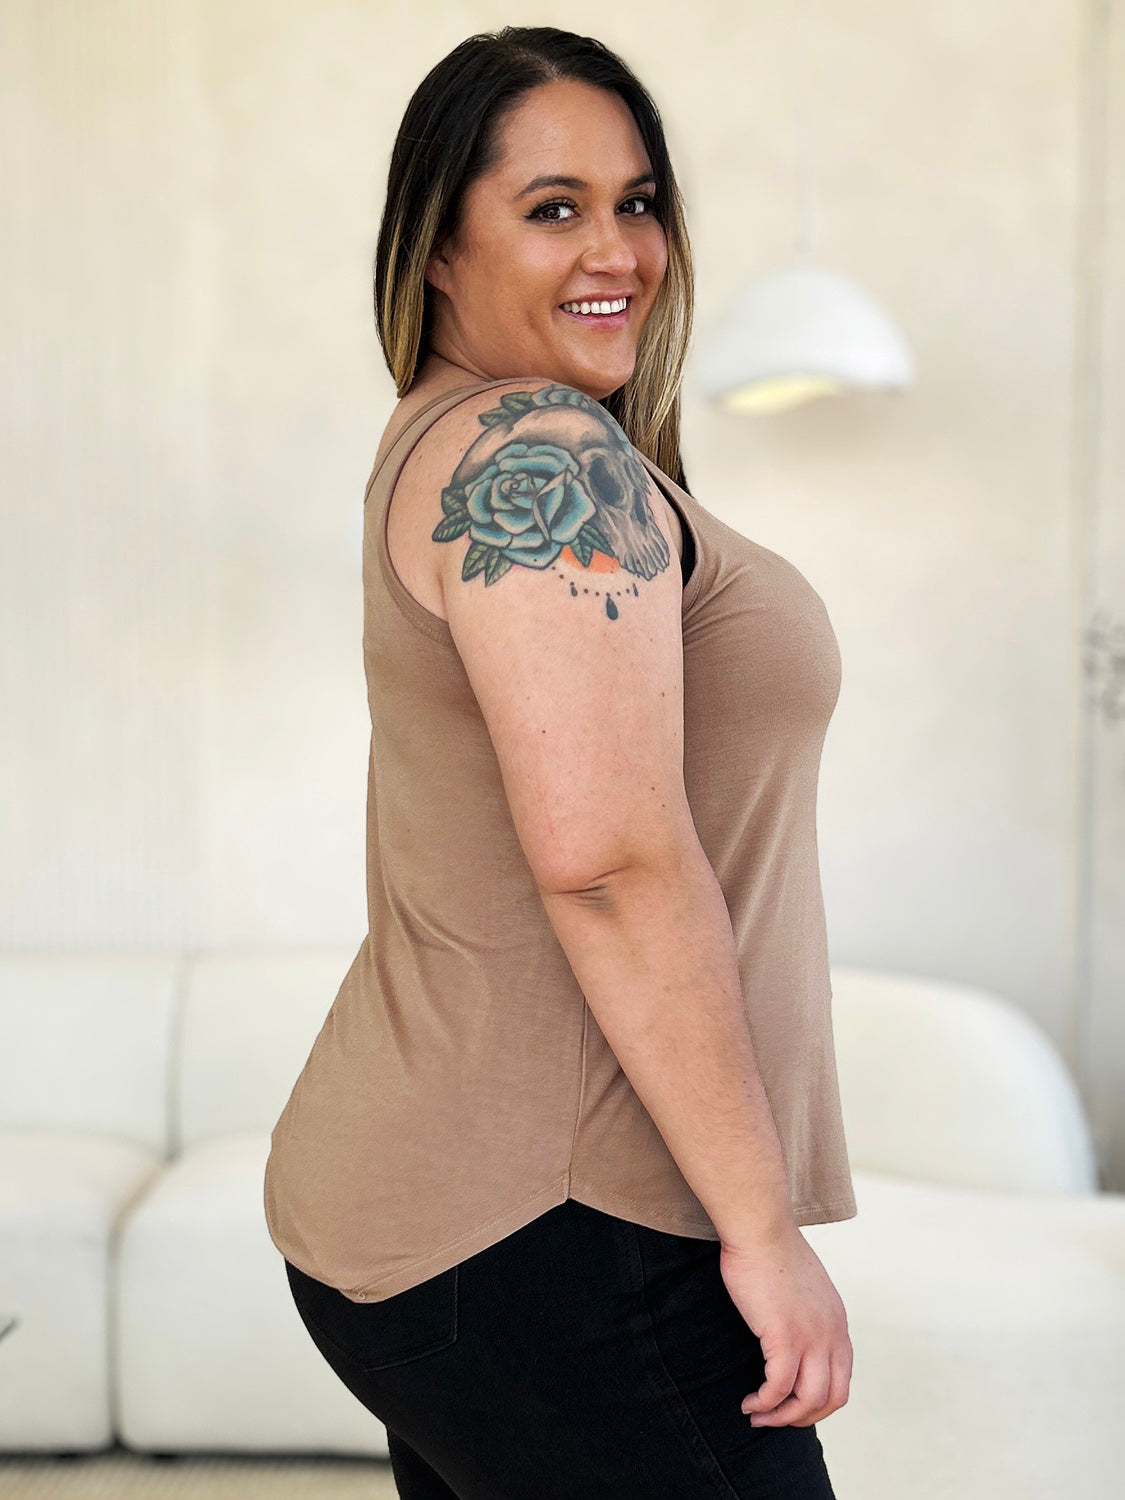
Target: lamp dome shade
<point>798,333</point>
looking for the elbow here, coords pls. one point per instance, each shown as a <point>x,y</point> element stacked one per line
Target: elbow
<point>598,894</point>
<point>602,887</point>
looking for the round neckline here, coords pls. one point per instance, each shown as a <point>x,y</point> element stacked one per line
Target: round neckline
<point>433,624</point>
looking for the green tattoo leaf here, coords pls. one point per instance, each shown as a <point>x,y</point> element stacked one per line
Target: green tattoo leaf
<point>451,528</point>
<point>513,404</point>
<point>582,548</point>
<point>598,538</point>
<point>517,402</point>
<point>475,559</point>
<point>496,566</point>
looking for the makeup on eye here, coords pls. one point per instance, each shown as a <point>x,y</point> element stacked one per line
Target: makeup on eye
<point>645,198</point>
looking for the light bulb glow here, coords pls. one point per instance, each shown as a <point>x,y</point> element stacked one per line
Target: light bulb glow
<point>780,393</point>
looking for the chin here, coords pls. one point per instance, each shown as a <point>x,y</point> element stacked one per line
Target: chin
<point>601,383</point>
<point>613,385</point>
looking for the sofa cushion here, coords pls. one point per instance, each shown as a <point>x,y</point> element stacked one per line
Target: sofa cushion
<point>942,1083</point>
<point>85,1042</point>
<point>987,1329</point>
<point>249,1021</point>
<point>62,1197</point>
<point>211,1352</point>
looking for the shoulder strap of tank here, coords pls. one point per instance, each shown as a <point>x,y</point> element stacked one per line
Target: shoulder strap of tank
<point>433,409</point>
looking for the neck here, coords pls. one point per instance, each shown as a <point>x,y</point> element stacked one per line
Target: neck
<point>438,367</point>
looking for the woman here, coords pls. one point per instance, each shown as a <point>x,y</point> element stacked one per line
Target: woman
<point>539,1185</point>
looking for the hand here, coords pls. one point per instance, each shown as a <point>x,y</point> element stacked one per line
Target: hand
<point>786,1297</point>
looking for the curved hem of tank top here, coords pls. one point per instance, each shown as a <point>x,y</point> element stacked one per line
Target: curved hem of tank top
<point>650,1216</point>
<point>816,1212</point>
<point>834,1212</point>
<point>453,1253</point>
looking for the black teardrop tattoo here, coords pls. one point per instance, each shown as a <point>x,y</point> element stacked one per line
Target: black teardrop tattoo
<point>553,470</point>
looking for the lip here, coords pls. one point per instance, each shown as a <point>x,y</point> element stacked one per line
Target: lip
<point>600,320</point>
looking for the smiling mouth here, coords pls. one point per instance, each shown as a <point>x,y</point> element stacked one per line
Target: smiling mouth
<point>597,309</point>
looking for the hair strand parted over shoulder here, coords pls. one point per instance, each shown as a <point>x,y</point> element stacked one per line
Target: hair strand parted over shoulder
<point>448,138</point>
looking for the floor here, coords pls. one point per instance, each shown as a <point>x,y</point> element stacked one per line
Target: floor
<point>119,1474</point>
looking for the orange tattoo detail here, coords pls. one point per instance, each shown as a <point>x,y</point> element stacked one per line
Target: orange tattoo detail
<point>600,562</point>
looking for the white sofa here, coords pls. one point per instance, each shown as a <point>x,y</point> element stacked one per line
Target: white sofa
<point>137,1095</point>
<point>984,1275</point>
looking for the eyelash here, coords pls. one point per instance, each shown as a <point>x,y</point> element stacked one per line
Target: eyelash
<point>536,213</point>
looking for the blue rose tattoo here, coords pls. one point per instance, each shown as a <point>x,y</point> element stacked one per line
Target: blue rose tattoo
<point>553,470</point>
<point>529,500</point>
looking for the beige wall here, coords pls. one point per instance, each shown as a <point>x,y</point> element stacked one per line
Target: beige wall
<point>193,393</point>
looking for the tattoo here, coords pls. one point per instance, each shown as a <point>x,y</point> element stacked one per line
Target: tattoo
<point>553,476</point>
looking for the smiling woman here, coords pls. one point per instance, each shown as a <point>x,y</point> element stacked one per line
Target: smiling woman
<point>539,1184</point>
<point>590,154</point>
<point>601,244</point>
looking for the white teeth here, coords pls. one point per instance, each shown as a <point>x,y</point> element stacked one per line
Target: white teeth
<point>598,308</point>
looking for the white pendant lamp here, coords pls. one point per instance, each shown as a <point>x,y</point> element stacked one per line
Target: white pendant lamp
<point>801,331</point>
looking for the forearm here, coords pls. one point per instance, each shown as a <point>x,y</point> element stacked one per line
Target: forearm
<point>653,951</point>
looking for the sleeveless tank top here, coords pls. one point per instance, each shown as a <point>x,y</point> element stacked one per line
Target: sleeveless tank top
<point>460,1086</point>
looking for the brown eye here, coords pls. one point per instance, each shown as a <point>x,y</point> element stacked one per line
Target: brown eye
<point>542,212</point>
<point>644,199</point>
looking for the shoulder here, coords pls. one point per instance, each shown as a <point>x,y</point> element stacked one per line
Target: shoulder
<point>542,408</point>
<point>551,451</point>
<point>531,410</point>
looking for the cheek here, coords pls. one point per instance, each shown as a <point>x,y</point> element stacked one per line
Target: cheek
<point>656,257</point>
<point>545,271</point>
<point>523,284</point>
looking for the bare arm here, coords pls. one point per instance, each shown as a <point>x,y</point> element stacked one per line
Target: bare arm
<point>579,674</point>
<point>568,618</point>
<point>651,945</point>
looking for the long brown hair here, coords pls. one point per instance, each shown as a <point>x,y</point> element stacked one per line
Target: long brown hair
<point>449,137</point>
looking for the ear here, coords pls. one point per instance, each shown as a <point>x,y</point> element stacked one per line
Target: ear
<point>437,271</point>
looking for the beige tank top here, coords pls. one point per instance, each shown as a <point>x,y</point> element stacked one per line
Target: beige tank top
<point>460,1085</point>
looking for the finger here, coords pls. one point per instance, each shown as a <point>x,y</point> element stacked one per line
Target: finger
<point>814,1388</point>
<point>780,1416</point>
<point>781,1372</point>
<point>840,1370</point>
<point>810,1392</point>
<point>841,1380</point>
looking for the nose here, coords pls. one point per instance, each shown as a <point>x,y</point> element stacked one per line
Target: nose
<point>608,250</point>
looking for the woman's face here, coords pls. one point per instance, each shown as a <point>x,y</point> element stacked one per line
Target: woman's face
<point>565,217</point>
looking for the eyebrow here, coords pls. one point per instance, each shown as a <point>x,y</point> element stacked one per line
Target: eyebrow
<point>576,182</point>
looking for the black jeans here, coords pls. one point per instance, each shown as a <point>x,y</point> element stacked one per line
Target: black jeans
<point>583,1357</point>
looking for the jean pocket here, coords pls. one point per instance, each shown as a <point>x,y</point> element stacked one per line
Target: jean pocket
<point>376,1335</point>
